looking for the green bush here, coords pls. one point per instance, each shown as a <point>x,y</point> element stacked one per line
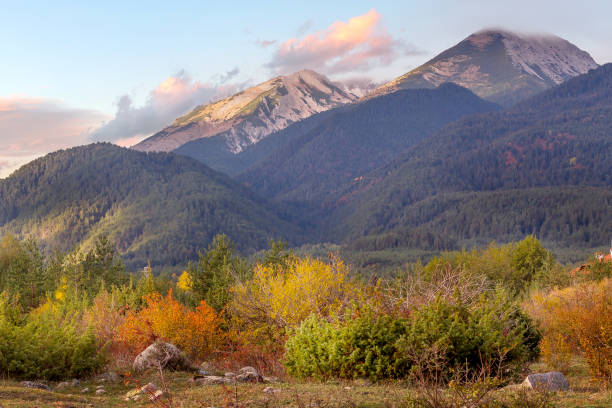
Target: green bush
<point>493,334</point>
<point>48,345</point>
<point>364,347</point>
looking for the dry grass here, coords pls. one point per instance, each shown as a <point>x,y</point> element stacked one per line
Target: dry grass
<point>584,394</point>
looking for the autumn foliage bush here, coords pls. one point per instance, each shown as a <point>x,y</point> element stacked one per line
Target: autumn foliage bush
<point>277,298</point>
<point>195,332</point>
<point>577,319</point>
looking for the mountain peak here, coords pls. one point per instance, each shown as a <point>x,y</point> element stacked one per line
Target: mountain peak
<point>252,114</point>
<point>500,65</point>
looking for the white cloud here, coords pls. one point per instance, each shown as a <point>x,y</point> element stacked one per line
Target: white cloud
<point>175,96</point>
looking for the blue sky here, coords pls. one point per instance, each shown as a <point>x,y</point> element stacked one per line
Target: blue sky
<point>83,60</point>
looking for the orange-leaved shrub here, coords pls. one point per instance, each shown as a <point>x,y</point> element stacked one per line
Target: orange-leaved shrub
<point>195,332</point>
<point>577,319</point>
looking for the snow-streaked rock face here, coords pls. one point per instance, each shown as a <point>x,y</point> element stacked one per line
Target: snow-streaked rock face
<point>499,65</point>
<point>547,57</point>
<point>249,116</point>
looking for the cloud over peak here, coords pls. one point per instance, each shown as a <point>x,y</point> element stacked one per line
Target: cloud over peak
<point>173,97</point>
<point>359,44</point>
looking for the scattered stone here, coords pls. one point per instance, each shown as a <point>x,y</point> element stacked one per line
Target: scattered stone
<point>62,385</point>
<point>348,388</point>
<point>85,390</point>
<point>100,391</point>
<point>76,382</point>
<point>162,354</point>
<point>229,375</point>
<point>156,395</point>
<point>34,384</point>
<point>212,380</point>
<point>99,387</point>
<point>150,388</point>
<point>132,394</point>
<point>271,390</point>
<point>552,381</point>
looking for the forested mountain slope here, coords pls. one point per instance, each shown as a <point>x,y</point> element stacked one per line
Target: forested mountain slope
<point>528,167</point>
<point>156,206</point>
<point>351,141</point>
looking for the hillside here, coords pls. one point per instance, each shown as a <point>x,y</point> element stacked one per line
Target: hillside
<point>224,128</point>
<point>500,66</point>
<point>156,206</point>
<point>544,167</point>
<point>349,142</point>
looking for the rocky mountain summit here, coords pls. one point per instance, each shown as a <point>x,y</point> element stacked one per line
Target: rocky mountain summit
<point>500,66</point>
<point>246,117</point>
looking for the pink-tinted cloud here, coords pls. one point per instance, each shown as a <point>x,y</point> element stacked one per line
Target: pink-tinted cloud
<point>31,127</point>
<point>175,96</point>
<point>357,45</point>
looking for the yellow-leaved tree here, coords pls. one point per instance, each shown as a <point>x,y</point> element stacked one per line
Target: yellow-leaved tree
<point>277,298</point>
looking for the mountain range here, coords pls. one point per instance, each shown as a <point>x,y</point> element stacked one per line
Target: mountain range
<point>501,136</point>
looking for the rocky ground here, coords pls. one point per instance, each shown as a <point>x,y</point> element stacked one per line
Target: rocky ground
<point>205,386</point>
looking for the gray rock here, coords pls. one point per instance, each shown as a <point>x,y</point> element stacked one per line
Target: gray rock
<point>85,390</point>
<point>271,390</point>
<point>248,374</point>
<point>212,380</point>
<point>76,382</point>
<point>100,391</point>
<point>162,354</point>
<point>36,385</point>
<point>552,381</point>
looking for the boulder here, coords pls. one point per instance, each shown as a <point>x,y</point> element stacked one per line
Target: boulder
<point>248,374</point>
<point>162,354</point>
<point>552,381</point>
<point>34,384</point>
